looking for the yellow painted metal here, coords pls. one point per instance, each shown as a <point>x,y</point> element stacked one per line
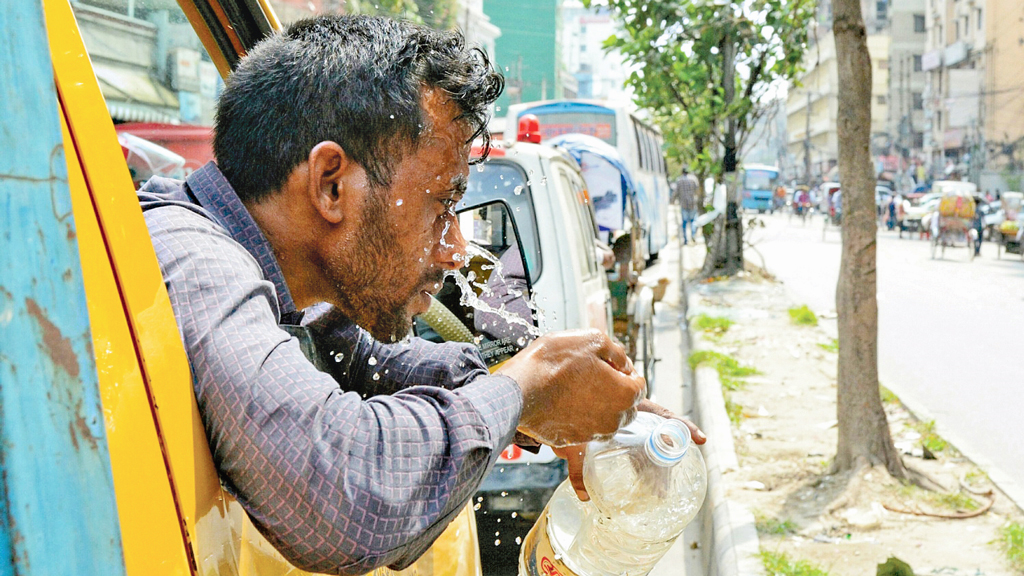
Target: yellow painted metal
<point>271,15</point>
<point>150,528</point>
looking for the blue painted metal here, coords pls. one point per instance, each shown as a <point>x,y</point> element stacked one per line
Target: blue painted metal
<point>58,514</point>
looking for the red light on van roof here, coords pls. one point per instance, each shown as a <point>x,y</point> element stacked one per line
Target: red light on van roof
<point>529,129</point>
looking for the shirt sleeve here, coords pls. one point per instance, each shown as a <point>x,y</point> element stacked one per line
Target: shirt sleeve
<point>338,483</point>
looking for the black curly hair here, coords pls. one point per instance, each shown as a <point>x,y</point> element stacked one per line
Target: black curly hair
<point>354,80</point>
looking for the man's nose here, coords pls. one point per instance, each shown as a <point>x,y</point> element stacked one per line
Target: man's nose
<point>452,247</point>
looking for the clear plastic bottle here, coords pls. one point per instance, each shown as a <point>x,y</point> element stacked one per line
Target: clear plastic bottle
<point>645,484</point>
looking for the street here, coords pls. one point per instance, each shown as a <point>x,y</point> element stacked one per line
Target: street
<point>950,331</point>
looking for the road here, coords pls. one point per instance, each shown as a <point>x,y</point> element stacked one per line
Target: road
<point>951,332</point>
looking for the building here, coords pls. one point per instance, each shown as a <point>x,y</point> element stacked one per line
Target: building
<point>906,121</point>
<point>974,102</point>
<point>599,75</point>
<point>812,107</point>
<point>529,50</point>
<point>477,26</point>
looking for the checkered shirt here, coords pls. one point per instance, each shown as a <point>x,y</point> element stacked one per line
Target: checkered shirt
<point>344,470</point>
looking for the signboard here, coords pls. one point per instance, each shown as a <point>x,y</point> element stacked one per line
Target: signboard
<point>208,79</point>
<point>184,69</point>
<point>955,53</point>
<point>602,130</point>
<point>953,138</point>
<point>931,60</point>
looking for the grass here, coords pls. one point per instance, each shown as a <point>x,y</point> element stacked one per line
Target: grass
<point>803,316</point>
<point>953,501</point>
<point>832,346</point>
<point>1012,541</point>
<point>929,439</point>
<point>780,564</point>
<point>769,525</point>
<point>713,326</point>
<point>887,396</point>
<point>730,374</point>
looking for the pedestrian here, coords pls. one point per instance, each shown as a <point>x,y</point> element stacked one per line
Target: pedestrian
<point>891,222</point>
<point>979,230</point>
<point>342,146</point>
<point>685,188</point>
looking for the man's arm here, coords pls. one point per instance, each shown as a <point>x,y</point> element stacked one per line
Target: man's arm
<point>337,483</point>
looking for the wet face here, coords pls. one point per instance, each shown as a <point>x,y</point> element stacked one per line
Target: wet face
<point>408,235</point>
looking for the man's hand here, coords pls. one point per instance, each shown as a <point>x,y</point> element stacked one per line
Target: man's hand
<point>574,455</point>
<point>577,385</point>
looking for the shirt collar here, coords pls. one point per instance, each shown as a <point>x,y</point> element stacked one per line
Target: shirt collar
<point>214,193</point>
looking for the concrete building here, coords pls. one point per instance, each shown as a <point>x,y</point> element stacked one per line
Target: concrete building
<point>477,26</point>
<point>529,50</point>
<point>812,107</point>
<point>974,100</point>
<point>906,120</point>
<point>599,75</point>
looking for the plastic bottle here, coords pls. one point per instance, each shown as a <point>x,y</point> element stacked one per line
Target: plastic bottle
<point>645,484</point>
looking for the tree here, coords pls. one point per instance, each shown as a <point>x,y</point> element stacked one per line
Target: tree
<point>703,68</point>
<point>864,437</point>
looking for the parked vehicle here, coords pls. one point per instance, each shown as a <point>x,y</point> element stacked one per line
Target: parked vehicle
<point>914,210</point>
<point>639,143</point>
<point>1010,229</point>
<point>951,222</point>
<point>539,192</point>
<point>758,183</point>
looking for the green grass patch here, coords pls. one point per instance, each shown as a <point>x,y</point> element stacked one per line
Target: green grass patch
<point>832,346</point>
<point>1012,541</point>
<point>725,365</point>
<point>803,316</point>
<point>887,396</point>
<point>929,439</point>
<point>956,501</point>
<point>780,564</point>
<point>713,326</point>
<point>770,525</point>
<point>733,410</point>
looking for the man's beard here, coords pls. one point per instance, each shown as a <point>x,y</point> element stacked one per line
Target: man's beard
<point>365,283</point>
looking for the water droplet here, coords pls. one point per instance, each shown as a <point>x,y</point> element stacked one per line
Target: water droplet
<point>521,341</point>
<point>476,506</point>
<point>499,520</point>
<point>519,541</point>
<point>471,276</point>
<point>544,181</point>
<point>479,167</point>
<point>558,556</point>
<point>428,190</point>
<point>399,202</point>
<point>392,116</point>
<point>376,375</point>
<point>518,190</point>
<point>372,361</point>
<point>503,494</point>
<point>515,514</point>
<point>479,498</point>
<point>497,533</point>
<point>501,470</point>
<point>339,357</point>
<point>497,542</point>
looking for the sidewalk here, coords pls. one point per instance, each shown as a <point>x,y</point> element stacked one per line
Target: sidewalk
<point>784,435</point>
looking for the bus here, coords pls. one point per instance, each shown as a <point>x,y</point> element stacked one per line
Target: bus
<point>639,143</point>
<point>757,185</point>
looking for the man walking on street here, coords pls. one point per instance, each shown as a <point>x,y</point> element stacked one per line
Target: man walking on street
<point>686,191</point>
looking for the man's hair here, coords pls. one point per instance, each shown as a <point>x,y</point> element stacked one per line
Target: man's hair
<point>353,80</point>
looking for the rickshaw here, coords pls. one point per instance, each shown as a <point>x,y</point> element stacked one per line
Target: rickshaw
<point>951,224</point>
<point>1008,232</point>
<point>833,213</point>
<point>613,198</point>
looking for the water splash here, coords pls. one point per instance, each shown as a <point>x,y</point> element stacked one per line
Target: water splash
<point>468,296</point>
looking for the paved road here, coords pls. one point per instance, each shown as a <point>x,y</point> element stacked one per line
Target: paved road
<point>951,332</point>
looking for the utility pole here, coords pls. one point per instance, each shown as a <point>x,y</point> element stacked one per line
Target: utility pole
<point>807,142</point>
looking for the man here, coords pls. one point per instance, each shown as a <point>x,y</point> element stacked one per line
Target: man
<point>686,191</point>
<point>342,147</point>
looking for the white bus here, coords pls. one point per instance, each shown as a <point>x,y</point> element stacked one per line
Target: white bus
<point>639,144</point>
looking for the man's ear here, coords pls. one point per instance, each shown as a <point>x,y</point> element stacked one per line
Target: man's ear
<point>327,165</point>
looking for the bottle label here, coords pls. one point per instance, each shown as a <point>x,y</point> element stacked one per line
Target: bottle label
<point>537,558</point>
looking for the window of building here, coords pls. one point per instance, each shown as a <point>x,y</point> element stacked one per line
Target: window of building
<point>881,99</point>
<point>918,101</point>
<point>919,23</point>
<point>918,66</point>
<point>957,29</point>
<point>918,140</point>
<point>978,18</point>
<point>881,9</point>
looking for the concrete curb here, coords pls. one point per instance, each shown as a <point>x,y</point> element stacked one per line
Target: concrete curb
<point>728,536</point>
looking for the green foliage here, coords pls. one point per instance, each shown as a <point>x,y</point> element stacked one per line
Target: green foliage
<point>714,326</point>
<point>770,525</point>
<point>929,439</point>
<point>725,365</point>
<point>733,410</point>
<point>956,501</point>
<point>803,316</point>
<point>832,346</point>
<point>887,396</point>
<point>1012,542</point>
<point>894,567</point>
<point>677,48</point>
<point>780,564</point>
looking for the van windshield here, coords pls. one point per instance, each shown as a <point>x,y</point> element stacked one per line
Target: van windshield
<point>505,181</point>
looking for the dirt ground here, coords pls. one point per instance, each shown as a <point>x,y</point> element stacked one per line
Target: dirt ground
<point>786,438</point>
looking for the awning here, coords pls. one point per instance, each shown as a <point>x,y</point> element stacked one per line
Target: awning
<point>133,96</point>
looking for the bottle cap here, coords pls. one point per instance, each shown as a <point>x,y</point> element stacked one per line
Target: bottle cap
<point>668,443</point>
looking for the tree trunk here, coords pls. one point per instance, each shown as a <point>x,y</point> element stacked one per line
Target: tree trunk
<point>864,437</point>
<point>725,251</point>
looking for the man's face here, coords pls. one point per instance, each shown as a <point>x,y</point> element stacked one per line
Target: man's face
<point>408,235</point>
